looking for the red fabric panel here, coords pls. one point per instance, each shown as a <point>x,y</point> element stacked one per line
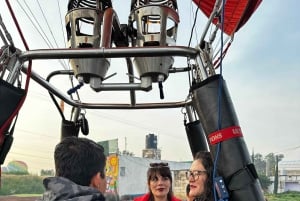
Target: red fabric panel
<point>252,6</point>
<point>237,12</point>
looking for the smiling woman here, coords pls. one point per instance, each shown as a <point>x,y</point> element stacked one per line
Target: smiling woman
<point>159,180</point>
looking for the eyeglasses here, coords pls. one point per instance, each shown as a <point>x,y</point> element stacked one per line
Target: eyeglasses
<point>195,174</point>
<point>158,165</point>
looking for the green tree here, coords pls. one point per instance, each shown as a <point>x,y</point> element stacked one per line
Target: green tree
<point>265,182</point>
<point>260,164</point>
<point>271,163</point>
<point>21,184</point>
<point>47,172</point>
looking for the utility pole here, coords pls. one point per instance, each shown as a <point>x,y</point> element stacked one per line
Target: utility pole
<point>276,176</point>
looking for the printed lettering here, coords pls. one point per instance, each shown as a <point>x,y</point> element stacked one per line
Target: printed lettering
<point>225,134</point>
<point>215,137</point>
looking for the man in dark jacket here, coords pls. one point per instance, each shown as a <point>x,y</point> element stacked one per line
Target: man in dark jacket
<point>80,172</point>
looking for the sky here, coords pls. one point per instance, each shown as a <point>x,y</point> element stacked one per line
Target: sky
<point>261,70</point>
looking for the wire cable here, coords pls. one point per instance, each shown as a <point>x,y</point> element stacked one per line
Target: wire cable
<point>50,30</point>
<point>193,27</point>
<point>36,25</point>
<point>219,100</point>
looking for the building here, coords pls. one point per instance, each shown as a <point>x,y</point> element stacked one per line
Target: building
<point>289,176</point>
<point>151,150</point>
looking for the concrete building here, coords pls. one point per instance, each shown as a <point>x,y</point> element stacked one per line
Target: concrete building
<point>151,150</point>
<point>289,176</point>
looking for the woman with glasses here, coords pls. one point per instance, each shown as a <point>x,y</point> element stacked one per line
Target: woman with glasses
<point>159,182</point>
<point>200,177</point>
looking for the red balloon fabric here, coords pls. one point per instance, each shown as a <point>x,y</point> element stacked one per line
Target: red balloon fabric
<point>236,12</point>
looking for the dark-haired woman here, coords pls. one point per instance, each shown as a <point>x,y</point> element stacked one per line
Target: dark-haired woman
<point>200,177</point>
<point>159,180</point>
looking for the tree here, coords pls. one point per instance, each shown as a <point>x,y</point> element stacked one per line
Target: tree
<point>260,164</point>
<point>271,163</point>
<point>265,182</point>
<point>47,172</point>
<point>21,184</point>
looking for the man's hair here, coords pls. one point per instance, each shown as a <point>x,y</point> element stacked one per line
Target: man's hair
<point>79,159</point>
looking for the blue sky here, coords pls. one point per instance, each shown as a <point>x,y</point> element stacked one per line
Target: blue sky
<point>264,71</point>
<point>261,69</point>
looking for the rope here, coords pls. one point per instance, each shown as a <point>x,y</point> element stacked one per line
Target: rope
<point>219,101</point>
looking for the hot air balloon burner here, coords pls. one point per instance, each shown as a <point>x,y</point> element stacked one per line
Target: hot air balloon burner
<point>83,25</point>
<point>153,23</point>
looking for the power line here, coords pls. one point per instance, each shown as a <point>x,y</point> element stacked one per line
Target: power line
<point>287,149</point>
<point>30,155</point>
